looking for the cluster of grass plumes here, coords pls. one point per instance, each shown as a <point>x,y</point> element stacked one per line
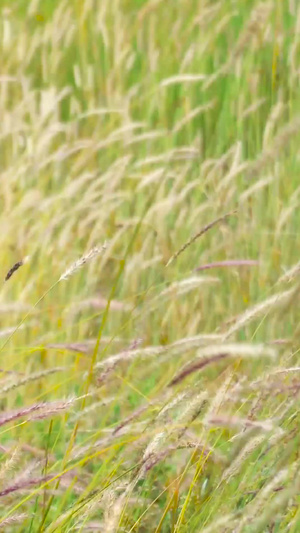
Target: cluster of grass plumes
<point>149,191</point>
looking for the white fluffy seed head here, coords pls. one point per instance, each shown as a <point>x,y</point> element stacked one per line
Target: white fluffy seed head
<point>82,260</point>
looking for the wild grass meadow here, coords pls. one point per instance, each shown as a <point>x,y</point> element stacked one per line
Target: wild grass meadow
<point>150,258</point>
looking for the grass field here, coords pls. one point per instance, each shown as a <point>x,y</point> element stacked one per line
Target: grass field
<point>150,194</point>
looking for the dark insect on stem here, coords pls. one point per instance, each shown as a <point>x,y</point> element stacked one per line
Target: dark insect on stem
<point>14,269</point>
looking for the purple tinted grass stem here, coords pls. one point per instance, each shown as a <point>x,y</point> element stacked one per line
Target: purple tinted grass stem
<point>228,263</point>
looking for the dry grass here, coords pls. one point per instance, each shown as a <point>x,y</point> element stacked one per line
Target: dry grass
<point>112,133</point>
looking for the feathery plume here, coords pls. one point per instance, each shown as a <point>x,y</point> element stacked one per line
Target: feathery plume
<point>217,352</point>
<point>261,308</point>
<point>82,261</point>
<point>199,234</point>
<point>197,366</point>
<point>14,519</point>
<point>32,377</point>
<point>248,449</point>
<point>25,484</point>
<point>36,411</point>
<point>229,263</point>
<point>9,464</point>
<point>290,274</point>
